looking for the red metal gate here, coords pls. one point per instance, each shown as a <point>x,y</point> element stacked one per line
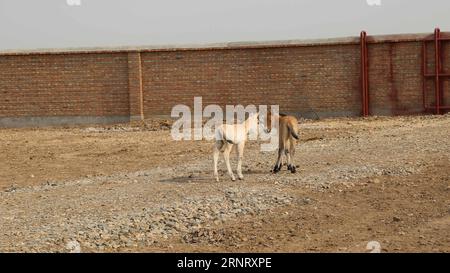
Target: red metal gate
<point>437,75</point>
<point>364,75</point>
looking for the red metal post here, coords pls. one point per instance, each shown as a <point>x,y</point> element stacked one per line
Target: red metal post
<point>366,71</point>
<point>424,73</point>
<point>437,68</point>
<point>364,75</point>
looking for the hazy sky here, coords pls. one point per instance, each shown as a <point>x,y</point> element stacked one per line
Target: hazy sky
<point>32,24</point>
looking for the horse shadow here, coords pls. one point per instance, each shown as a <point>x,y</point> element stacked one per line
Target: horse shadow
<point>205,178</point>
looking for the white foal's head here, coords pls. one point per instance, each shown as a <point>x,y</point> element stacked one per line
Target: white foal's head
<point>252,123</point>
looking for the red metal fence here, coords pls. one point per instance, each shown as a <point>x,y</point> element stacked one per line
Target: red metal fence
<point>437,106</point>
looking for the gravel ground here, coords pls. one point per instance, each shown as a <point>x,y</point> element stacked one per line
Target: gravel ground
<point>131,188</point>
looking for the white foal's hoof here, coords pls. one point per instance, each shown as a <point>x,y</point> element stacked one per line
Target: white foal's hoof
<point>233,178</point>
<point>241,177</point>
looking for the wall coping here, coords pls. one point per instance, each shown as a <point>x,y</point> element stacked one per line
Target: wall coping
<point>228,45</point>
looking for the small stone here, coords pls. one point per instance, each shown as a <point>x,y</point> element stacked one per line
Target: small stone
<point>375,181</point>
<point>13,188</point>
<point>73,247</point>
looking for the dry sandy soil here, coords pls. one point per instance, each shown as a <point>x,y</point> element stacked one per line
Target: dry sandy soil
<point>131,188</point>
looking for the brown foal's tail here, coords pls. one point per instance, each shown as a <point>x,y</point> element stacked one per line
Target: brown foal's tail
<point>293,132</point>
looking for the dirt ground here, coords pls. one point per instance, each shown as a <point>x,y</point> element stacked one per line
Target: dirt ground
<point>132,188</point>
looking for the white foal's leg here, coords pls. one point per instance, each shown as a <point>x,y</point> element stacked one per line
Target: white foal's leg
<point>240,156</point>
<point>226,155</point>
<point>216,152</point>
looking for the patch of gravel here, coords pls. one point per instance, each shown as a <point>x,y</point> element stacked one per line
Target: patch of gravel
<point>340,174</point>
<point>132,221</point>
<point>153,124</point>
<point>153,224</point>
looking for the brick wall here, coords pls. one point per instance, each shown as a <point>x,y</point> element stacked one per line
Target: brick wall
<point>300,79</point>
<point>395,78</point>
<point>310,78</point>
<point>47,86</point>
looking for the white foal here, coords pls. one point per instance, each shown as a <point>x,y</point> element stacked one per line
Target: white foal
<point>227,135</point>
